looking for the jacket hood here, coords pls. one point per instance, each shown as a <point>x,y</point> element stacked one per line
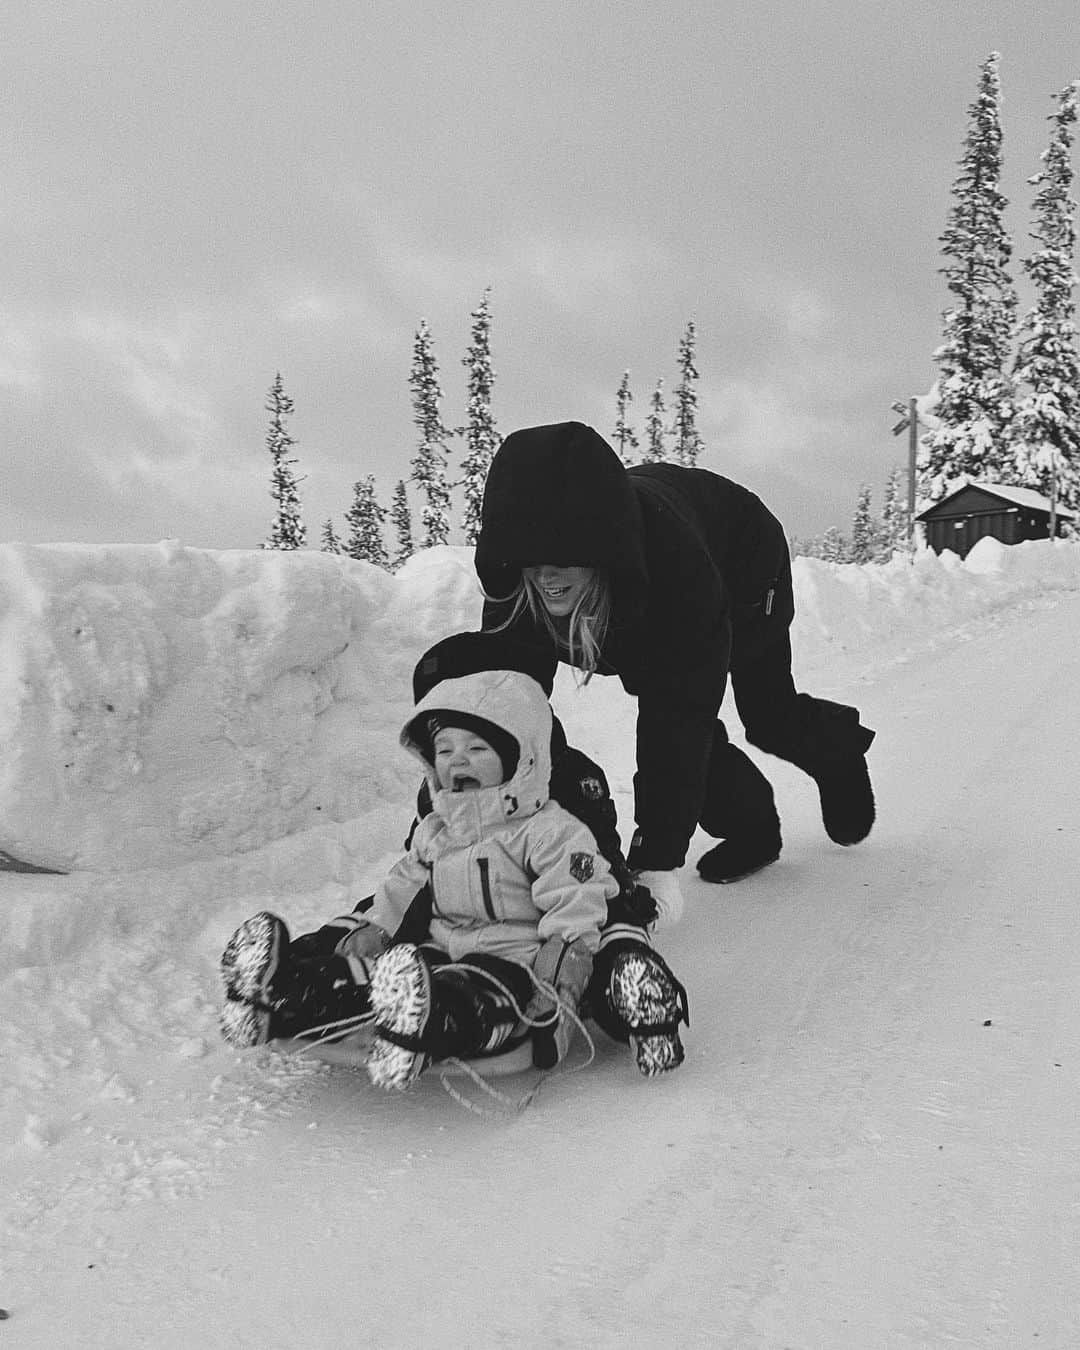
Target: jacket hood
<point>469,653</point>
<point>518,706</point>
<point>560,494</point>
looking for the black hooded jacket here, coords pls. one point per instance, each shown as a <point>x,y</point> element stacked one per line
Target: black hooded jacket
<point>678,548</point>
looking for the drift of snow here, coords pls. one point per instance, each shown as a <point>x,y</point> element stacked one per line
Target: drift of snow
<point>195,735</point>
<point>163,705</point>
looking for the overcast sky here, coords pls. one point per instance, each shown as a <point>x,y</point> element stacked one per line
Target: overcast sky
<point>197,195</point>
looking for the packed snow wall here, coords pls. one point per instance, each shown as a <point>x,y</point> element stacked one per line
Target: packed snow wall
<point>162,704</point>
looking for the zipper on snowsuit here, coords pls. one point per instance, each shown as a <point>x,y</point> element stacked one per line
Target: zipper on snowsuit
<point>485,886</point>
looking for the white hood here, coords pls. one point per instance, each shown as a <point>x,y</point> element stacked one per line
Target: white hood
<point>517,705</point>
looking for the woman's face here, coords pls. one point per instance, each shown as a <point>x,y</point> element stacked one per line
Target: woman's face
<point>560,588</point>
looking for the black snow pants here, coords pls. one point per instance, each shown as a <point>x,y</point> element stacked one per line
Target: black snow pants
<point>809,732</point>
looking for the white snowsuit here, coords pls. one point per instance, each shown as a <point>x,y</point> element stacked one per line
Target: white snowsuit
<point>507,866</point>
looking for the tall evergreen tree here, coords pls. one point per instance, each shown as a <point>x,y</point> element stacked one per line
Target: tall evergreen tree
<point>975,389</point>
<point>1046,428</point>
<point>365,520</point>
<point>288,531</point>
<point>482,440</point>
<point>429,463</point>
<point>655,431</point>
<point>864,529</point>
<point>401,518</point>
<point>330,542</point>
<point>687,438</point>
<point>626,441</point>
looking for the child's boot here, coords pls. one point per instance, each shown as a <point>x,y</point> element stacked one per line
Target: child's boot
<point>269,996</point>
<point>402,1006</point>
<point>424,1016</point>
<point>652,1003</point>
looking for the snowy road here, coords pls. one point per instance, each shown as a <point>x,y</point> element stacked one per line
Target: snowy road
<point>873,1142</point>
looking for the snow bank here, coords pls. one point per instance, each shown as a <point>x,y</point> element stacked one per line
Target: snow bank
<point>161,705</point>
<point>882,1022</point>
<point>860,619</point>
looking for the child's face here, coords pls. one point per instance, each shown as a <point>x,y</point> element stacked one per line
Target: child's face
<point>464,761</point>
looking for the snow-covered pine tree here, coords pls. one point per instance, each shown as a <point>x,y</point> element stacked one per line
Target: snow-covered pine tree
<point>1046,427</point>
<point>330,542</point>
<point>806,548</point>
<point>288,531</point>
<point>655,448</point>
<point>626,442</point>
<point>975,403</point>
<point>864,529</point>
<point>893,532</point>
<point>834,547</point>
<point>401,518</point>
<point>365,520</point>
<point>429,463</point>
<point>687,439</point>
<point>482,440</point>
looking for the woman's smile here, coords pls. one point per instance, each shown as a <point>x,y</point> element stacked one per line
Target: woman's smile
<point>560,588</point>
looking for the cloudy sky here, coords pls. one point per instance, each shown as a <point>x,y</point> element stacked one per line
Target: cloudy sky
<point>197,195</point>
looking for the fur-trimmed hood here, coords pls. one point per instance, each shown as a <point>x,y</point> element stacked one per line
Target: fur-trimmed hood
<point>516,704</point>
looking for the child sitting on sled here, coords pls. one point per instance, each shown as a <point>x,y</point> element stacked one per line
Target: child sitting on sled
<point>461,893</point>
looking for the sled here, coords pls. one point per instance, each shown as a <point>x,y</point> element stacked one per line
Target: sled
<point>352,1052</point>
<point>9,863</point>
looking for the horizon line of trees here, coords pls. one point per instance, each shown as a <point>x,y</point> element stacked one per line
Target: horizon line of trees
<point>365,519</point>
<point>873,538</point>
<point>1007,398</point>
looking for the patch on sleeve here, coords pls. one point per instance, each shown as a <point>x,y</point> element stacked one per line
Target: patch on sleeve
<point>582,866</point>
<point>592,789</point>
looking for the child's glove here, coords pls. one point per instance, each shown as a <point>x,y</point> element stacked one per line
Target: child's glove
<point>567,966</point>
<point>365,942</point>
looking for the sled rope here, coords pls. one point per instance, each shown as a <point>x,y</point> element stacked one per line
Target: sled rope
<point>507,1104</point>
<point>329,1032</point>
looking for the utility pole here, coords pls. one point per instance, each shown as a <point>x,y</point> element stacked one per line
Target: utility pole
<point>909,421</point>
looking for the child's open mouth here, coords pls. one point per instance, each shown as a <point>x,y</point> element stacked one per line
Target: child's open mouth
<point>463,782</point>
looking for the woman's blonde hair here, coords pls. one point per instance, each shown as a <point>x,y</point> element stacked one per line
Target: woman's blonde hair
<point>587,625</point>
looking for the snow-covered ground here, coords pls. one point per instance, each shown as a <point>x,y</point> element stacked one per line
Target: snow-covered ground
<point>872,1143</point>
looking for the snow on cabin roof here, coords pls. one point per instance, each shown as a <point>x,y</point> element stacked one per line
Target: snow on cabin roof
<point>1022,497</point>
<point>1026,497</point>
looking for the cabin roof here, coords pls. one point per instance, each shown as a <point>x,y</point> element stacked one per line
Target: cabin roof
<point>1014,496</point>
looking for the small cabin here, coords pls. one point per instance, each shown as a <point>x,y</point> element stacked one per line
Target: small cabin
<point>1011,514</point>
